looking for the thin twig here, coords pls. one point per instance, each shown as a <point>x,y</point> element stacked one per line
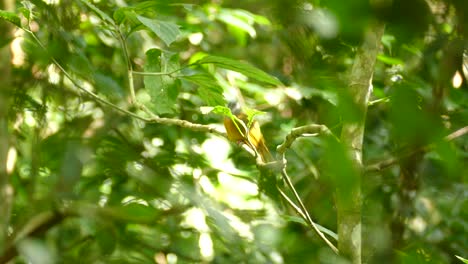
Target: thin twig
<point>131,87</point>
<point>305,212</point>
<point>458,133</point>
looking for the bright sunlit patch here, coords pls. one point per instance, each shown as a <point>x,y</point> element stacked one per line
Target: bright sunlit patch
<point>17,54</point>
<point>171,258</point>
<point>323,22</point>
<point>242,228</point>
<point>182,169</point>
<point>273,97</point>
<point>206,109</point>
<point>157,142</point>
<point>106,186</point>
<point>233,76</point>
<point>11,160</point>
<point>197,149</point>
<point>151,148</point>
<point>181,146</point>
<point>276,257</point>
<point>196,38</point>
<point>207,186</point>
<point>197,173</point>
<point>35,251</point>
<point>242,186</point>
<point>54,119</point>
<point>417,224</point>
<point>294,93</point>
<point>29,119</point>
<point>137,166</point>
<point>103,200</point>
<point>457,80</point>
<point>132,199</point>
<point>195,218</point>
<point>206,246</point>
<point>216,150</point>
<point>54,76</point>
<point>160,258</point>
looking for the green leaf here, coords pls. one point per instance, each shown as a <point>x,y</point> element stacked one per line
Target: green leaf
<point>133,212</point>
<point>26,12</point>
<point>163,89</point>
<point>241,67</point>
<point>222,110</point>
<point>123,13</point>
<point>462,259</point>
<point>166,31</point>
<point>10,17</point>
<point>208,90</point>
<point>389,60</point>
<point>106,239</point>
<point>295,219</point>
<point>251,113</point>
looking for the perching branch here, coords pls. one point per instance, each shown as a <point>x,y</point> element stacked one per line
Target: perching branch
<point>309,130</point>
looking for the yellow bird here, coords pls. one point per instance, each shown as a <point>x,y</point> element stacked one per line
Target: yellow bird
<point>251,136</point>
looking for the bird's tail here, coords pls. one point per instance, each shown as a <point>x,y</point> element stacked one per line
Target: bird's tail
<point>264,153</point>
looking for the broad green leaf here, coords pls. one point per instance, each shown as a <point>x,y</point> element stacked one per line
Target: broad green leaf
<point>10,17</point>
<point>208,90</point>
<point>124,13</point>
<point>251,113</point>
<point>26,12</point>
<point>163,89</point>
<point>106,238</point>
<point>462,259</point>
<point>295,219</point>
<point>166,31</point>
<point>389,60</point>
<point>222,110</point>
<point>133,212</point>
<point>238,25</point>
<point>388,40</point>
<point>241,67</point>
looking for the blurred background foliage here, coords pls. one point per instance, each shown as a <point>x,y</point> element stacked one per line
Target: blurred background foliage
<point>94,185</point>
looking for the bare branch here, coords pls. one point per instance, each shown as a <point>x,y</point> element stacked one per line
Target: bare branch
<point>309,130</point>
<point>458,133</point>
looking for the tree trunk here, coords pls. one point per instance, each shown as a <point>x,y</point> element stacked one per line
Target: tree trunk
<point>6,191</point>
<point>348,195</point>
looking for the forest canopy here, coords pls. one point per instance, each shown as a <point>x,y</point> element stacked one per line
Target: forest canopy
<point>130,131</point>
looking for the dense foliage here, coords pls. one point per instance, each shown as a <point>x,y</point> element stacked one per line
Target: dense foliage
<point>100,166</point>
